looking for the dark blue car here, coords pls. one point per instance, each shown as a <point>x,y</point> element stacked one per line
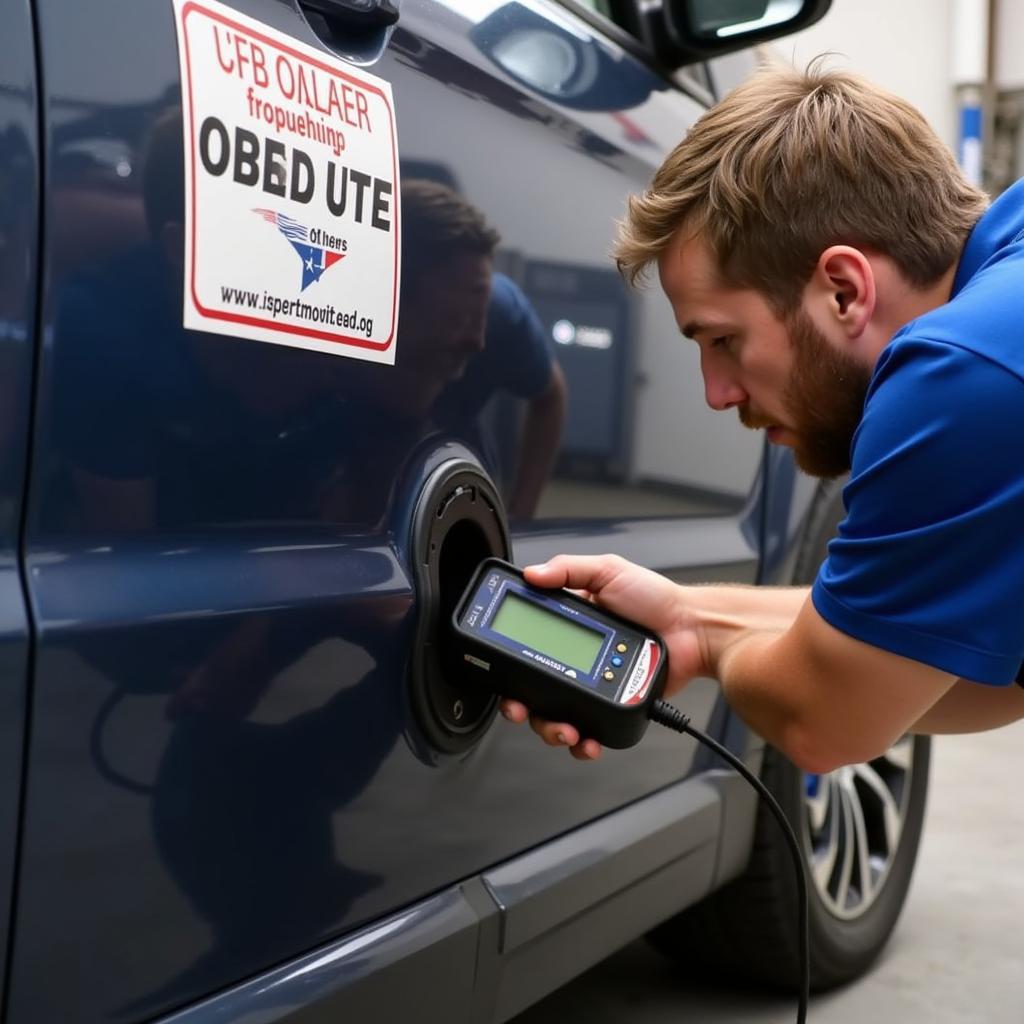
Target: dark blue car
<point>305,310</point>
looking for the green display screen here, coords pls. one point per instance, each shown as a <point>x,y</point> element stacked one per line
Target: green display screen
<point>547,632</point>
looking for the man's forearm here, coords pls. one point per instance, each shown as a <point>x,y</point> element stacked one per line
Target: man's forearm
<point>819,702</point>
<point>822,697</point>
<point>728,613</point>
<point>739,628</point>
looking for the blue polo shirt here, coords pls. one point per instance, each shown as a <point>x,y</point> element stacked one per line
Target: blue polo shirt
<point>929,562</point>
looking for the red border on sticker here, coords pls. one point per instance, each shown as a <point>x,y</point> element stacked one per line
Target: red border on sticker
<point>214,314</point>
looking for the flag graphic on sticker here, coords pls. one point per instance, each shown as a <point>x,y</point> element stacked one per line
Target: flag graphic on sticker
<point>315,260</point>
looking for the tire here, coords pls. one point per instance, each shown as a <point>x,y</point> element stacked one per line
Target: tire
<point>747,931</point>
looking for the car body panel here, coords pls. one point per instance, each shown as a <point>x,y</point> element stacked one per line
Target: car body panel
<point>223,772</point>
<point>416,963</point>
<point>483,950</point>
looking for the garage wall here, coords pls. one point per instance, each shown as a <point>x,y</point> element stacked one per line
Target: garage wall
<point>1008,51</point>
<point>903,46</point>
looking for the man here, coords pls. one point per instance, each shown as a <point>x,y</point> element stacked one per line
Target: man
<point>851,296</point>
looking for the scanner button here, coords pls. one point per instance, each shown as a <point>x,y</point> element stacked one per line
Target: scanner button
<point>622,648</point>
<point>609,675</point>
<point>616,661</point>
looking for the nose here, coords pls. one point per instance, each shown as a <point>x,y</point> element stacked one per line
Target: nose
<point>721,390</point>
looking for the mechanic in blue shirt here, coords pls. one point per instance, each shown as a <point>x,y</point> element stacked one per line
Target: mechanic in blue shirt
<point>851,295</point>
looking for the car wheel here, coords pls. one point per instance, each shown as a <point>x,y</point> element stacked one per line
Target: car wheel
<point>859,828</point>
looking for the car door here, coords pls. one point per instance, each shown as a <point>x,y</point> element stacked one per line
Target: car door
<point>236,752</point>
<point>19,226</point>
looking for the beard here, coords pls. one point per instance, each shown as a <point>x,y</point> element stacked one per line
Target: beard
<point>824,398</point>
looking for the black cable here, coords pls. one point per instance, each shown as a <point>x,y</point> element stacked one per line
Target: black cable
<point>672,718</point>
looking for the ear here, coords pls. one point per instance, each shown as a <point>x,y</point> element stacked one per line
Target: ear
<point>843,287</point>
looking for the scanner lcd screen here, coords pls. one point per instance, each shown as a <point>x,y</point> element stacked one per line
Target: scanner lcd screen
<point>547,632</point>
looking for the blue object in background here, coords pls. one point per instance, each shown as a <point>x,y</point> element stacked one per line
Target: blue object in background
<point>970,144</point>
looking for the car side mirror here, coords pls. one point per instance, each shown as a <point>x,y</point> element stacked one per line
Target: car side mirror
<point>545,57</point>
<point>683,31</point>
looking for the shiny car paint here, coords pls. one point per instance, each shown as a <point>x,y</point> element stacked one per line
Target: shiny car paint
<point>224,808</point>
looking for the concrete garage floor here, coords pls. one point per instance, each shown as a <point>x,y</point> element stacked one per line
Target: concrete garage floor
<point>956,955</point>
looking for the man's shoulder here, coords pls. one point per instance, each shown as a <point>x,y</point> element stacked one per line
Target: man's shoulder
<point>936,403</point>
<point>984,319</point>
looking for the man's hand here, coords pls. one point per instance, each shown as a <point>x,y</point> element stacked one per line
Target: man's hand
<point>821,697</point>
<point>638,594</point>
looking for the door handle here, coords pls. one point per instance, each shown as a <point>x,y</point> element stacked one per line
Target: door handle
<point>359,14</point>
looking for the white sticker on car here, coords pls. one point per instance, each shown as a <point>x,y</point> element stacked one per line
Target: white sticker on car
<point>291,189</point>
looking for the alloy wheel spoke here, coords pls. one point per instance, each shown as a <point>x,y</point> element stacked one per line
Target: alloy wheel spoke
<point>901,754</point>
<point>891,822</point>
<point>853,826</point>
<point>824,860</point>
<point>858,838</point>
<point>818,805</point>
<point>842,888</point>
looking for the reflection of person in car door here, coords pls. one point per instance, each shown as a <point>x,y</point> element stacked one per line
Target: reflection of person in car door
<point>851,295</point>
<point>465,335</point>
<point>478,348</point>
<point>516,360</point>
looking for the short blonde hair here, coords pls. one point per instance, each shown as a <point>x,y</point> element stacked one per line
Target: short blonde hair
<point>792,162</point>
